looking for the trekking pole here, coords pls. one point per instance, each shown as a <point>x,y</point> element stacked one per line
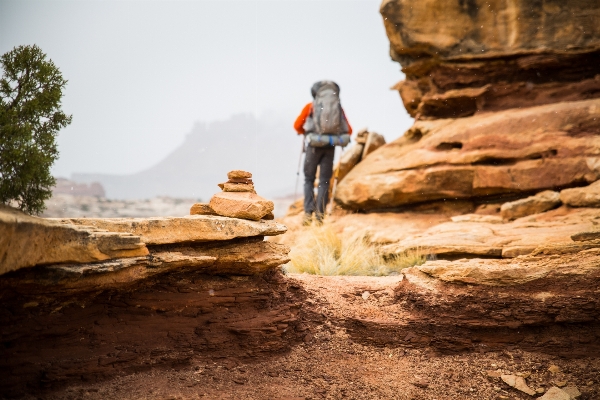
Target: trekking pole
<point>334,182</point>
<point>298,170</point>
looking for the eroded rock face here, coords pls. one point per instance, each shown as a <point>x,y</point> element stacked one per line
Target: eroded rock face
<point>510,152</point>
<point>26,241</point>
<point>55,337</point>
<point>492,55</point>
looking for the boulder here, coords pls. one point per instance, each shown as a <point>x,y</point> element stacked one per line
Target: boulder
<point>241,205</point>
<point>26,241</point>
<point>362,135</point>
<point>541,202</point>
<point>349,159</point>
<point>202,209</point>
<point>588,196</point>
<point>501,154</point>
<point>374,141</point>
<point>192,228</point>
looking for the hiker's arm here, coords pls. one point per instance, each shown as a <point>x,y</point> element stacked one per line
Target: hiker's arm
<point>299,124</point>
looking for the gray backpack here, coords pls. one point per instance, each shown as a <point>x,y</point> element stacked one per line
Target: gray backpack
<point>327,112</point>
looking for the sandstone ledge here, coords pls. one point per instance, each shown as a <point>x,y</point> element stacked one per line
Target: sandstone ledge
<point>26,241</point>
<point>191,228</point>
<point>505,153</point>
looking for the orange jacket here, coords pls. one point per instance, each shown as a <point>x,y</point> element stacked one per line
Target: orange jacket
<point>299,124</point>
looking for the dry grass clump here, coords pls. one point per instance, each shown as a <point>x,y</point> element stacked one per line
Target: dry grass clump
<point>319,250</point>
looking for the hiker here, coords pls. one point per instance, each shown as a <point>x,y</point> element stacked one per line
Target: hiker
<point>324,125</point>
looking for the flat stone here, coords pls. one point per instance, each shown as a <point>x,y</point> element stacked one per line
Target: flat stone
<point>26,241</point>
<point>539,203</point>
<point>241,205</point>
<point>239,174</point>
<point>588,196</point>
<point>238,187</point>
<point>191,228</point>
<point>522,386</point>
<point>202,209</point>
<point>572,391</point>
<point>510,380</point>
<point>555,393</point>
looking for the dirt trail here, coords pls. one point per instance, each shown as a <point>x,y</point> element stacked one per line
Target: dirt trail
<point>343,337</point>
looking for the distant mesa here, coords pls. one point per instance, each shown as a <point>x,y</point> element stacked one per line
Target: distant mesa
<point>66,186</point>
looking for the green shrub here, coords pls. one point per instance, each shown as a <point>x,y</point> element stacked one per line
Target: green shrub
<point>31,89</point>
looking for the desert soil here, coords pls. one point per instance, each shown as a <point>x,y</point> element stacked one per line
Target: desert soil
<point>330,365</point>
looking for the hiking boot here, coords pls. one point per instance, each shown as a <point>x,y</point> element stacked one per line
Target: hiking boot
<point>319,218</point>
<point>307,220</point>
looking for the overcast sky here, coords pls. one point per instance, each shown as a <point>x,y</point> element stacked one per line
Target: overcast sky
<point>141,73</point>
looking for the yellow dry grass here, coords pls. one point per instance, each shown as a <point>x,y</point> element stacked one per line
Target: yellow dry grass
<point>319,250</point>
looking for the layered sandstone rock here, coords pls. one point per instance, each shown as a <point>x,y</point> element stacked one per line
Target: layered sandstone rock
<point>203,284</point>
<point>492,55</point>
<point>26,241</point>
<point>510,152</point>
<point>548,233</point>
<point>588,196</point>
<point>503,96</point>
<point>539,203</point>
<point>193,228</point>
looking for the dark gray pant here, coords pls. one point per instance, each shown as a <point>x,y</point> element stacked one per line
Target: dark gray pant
<point>322,157</point>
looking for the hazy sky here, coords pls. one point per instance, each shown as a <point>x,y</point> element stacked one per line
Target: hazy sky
<point>142,72</point>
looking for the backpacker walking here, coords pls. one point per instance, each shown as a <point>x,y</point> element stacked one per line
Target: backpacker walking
<point>324,124</point>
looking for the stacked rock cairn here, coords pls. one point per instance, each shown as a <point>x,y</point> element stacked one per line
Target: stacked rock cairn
<point>238,199</point>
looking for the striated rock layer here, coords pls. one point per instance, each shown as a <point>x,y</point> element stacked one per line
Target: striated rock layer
<point>468,56</point>
<point>26,241</point>
<point>52,335</point>
<point>512,152</point>
<point>95,300</point>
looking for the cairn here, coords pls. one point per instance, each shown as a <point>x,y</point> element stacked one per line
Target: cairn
<point>238,199</point>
